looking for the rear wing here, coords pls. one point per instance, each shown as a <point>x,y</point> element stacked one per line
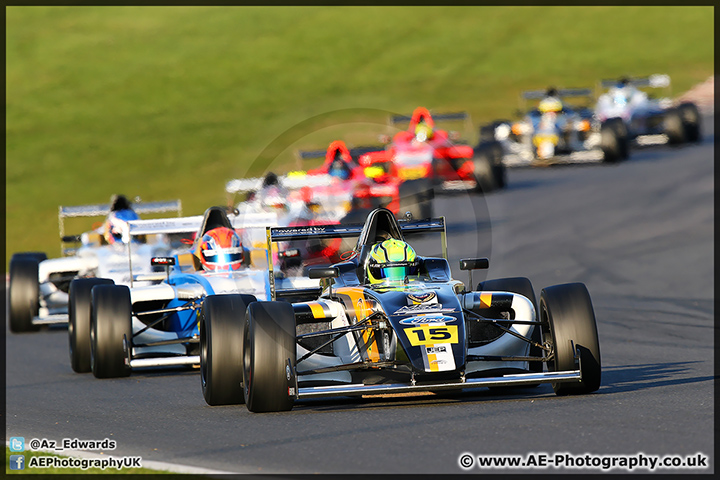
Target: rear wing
<point>102,210</point>
<point>652,81</point>
<point>355,152</point>
<point>291,181</point>
<point>395,119</point>
<point>562,93</point>
<point>283,234</point>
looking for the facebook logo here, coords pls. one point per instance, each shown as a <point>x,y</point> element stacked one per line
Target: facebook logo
<point>17,462</point>
<point>17,444</point>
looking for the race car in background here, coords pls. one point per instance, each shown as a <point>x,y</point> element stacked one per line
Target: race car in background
<point>38,286</point>
<point>556,132</point>
<point>648,121</point>
<point>117,328</point>
<point>437,157</point>
<point>402,325</point>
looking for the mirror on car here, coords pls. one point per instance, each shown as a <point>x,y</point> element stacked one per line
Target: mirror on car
<point>323,272</point>
<point>474,263</point>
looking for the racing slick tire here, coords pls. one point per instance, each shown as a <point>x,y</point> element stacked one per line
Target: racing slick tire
<point>691,121</point>
<point>79,311</point>
<point>522,286</point>
<point>111,331</point>
<point>269,342</point>
<point>416,197</point>
<point>222,322</point>
<point>567,317</point>
<point>24,293</point>
<point>488,169</point>
<point>39,256</point>
<point>610,142</point>
<point>623,137</point>
<point>673,127</point>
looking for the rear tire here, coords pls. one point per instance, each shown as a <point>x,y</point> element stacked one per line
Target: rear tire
<point>610,143</point>
<point>269,343</point>
<point>222,324</point>
<point>416,197</point>
<point>567,315</point>
<point>79,311</point>
<point>673,126</point>
<point>484,170</point>
<point>24,292</point>
<point>621,132</point>
<point>691,121</point>
<point>111,331</point>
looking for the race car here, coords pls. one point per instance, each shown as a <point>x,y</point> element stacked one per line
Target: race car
<point>648,121</point>
<point>389,321</point>
<point>117,328</point>
<point>426,152</point>
<point>557,132</point>
<point>362,185</point>
<point>38,286</point>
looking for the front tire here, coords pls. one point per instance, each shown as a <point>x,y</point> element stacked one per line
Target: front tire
<point>673,126</point>
<point>24,292</point>
<point>111,331</point>
<point>269,342</point>
<point>610,143</point>
<point>222,324</point>
<point>567,315</point>
<point>79,311</point>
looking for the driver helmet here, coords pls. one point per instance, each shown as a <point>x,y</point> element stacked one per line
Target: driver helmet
<point>338,168</point>
<point>423,132</point>
<point>550,105</point>
<point>391,260</point>
<point>117,223</point>
<point>220,249</point>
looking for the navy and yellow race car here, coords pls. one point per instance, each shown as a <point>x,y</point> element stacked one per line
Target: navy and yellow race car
<point>388,320</point>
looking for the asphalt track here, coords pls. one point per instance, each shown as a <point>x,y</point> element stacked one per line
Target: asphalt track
<point>639,235</point>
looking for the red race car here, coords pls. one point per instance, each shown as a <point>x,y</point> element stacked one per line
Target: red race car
<point>426,152</point>
<point>367,186</point>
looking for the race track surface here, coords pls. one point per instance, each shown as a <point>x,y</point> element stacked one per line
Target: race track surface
<point>638,234</point>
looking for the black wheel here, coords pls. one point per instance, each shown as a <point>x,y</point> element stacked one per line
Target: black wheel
<point>111,331</point>
<point>79,321</point>
<point>568,317</point>
<point>610,143</point>
<point>24,293</point>
<point>498,167</point>
<point>222,323</point>
<point>416,197</point>
<point>483,169</point>
<point>39,256</point>
<point>691,121</point>
<point>269,342</point>
<point>623,137</point>
<point>522,286</point>
<point>673,126</point>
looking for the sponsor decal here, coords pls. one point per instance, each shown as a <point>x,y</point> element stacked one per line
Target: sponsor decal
<point>426,319</point>
<point>425,297</point>
<point>423,308</point>
<point>430,334</point>
<point>440,349</point>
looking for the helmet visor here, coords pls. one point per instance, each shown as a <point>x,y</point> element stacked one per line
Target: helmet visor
<point>224,256</point>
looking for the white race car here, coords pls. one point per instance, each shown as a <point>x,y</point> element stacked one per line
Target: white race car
<point>116,328</point>
<point>38,287</point>
<point>648,121</point>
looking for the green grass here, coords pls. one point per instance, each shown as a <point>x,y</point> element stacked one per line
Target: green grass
<point>171,102</point>
<point>76,471</point>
